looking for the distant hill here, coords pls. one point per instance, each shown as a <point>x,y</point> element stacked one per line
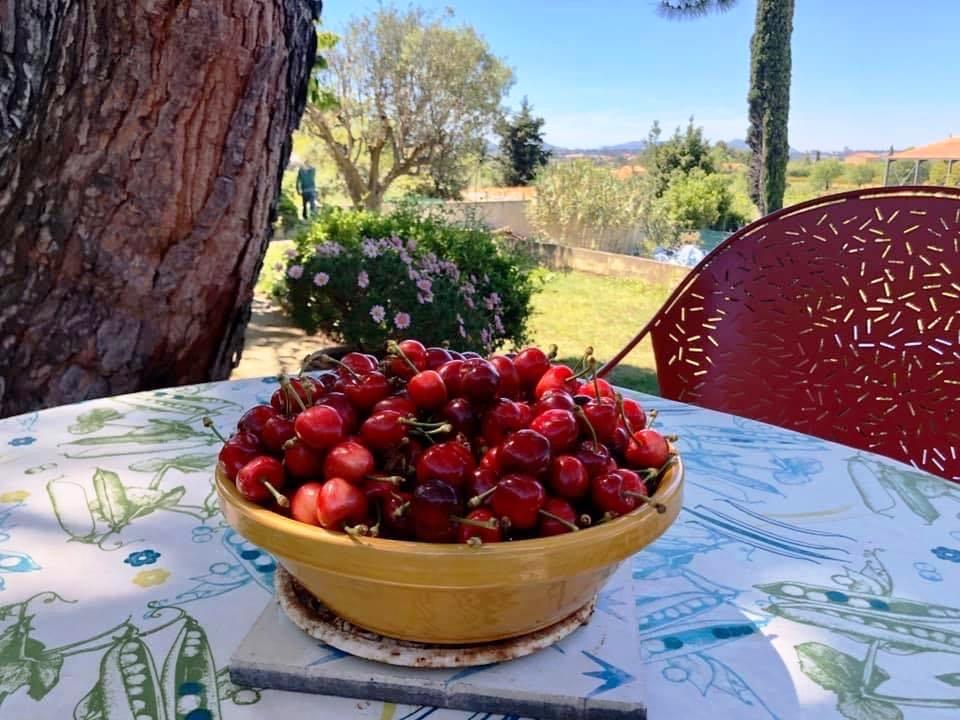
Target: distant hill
<point>627,148</point>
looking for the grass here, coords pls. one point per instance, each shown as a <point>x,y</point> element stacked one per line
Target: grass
<point>575,310</point>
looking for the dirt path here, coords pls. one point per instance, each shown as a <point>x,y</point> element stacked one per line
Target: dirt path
<point>273,344</point>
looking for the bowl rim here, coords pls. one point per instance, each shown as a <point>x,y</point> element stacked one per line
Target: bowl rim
<point>669,492</point>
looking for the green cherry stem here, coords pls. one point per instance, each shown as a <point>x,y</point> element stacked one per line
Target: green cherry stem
<point>279,497</point>
<point>477,500</point>
<point>566,523</point>
<point>394,349</point>
<point>491,524</point>
<point>208,423</point>
<point>623,415</point>
<point>583,416</point>
<point>288,389</point>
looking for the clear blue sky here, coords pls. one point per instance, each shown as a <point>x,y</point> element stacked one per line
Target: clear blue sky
<point>866,73</point>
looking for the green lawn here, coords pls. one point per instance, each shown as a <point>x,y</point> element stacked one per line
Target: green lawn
<point>576,309</point>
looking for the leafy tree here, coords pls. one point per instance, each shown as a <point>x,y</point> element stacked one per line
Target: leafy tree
<point>522,151</point>
<point>684,152</point>
<point>862,173</point>
<point>825,172</point>
<point>768,99</point>
<point>402,93</point>
<point>698,200</point>
<point>141,151</point>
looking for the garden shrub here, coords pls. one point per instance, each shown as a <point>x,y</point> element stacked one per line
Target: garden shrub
<point>362,277</point>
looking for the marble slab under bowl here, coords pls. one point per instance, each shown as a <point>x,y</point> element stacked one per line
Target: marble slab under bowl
<point>592,674</point>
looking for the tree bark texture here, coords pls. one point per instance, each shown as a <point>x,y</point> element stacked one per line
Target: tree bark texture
<point>769,103</point>
<point>142,146</point>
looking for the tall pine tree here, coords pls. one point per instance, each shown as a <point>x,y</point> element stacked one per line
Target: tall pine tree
<point>522,151</point>
<point>769,96</point>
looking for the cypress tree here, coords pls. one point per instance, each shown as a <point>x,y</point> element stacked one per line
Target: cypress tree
<point>522,152</point>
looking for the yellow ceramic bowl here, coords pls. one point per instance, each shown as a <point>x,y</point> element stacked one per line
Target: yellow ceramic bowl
<point>452,594</point>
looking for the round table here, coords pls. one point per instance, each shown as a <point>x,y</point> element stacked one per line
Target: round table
<point>802,579</point>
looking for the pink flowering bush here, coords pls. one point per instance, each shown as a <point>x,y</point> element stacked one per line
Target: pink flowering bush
<point>362,278</point>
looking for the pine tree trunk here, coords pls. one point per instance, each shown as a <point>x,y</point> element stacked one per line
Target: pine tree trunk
<point>141,150</point>
<point>769,103</point>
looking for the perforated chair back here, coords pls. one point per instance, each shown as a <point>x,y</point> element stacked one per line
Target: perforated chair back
<point>839,317</point>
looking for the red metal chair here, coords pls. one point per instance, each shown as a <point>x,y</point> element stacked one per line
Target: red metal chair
<point>838,317</point>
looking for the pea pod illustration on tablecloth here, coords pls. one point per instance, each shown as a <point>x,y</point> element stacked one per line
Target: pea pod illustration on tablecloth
<point>189,677</point>
<point>128,688</point>
<point>93,517</point>
<point>157,436</point>
<point>881,485</point>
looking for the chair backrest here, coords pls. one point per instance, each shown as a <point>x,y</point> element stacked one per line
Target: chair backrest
<point>839,317</point>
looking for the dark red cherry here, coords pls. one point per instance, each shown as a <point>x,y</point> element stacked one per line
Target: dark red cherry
<point>427,390</point>
<point>478,380</point>
<point>415,352</point>
<point>554,400</point>
<point>450,462</point>
<point>525,451</point>
<point>568,477</point>
<point>383,430</point>
<point>509,378</point>
<point>593,456</point>
<point>450,372</point>
<point>609,492</point>
<point>398,403</point>
<point>237,452</point>
<point>254,477</point>
<point>531,363</point>
<point>518,498</point>
<point>349,460</point>
<point>434,507</point>
<point>341,403</point>
<point>460,413</point>
<point>635,414</point>
<point>602,416</point>
<point>467,531</point>
<point>396,515</point>
<point>276,432</point>
<point>437,356</point>
<point>559,427</point>
<point>253,420</point>
<point>367,390</point>
<point>500,420</point>
<point>556,518</point>
<point>301,461</point>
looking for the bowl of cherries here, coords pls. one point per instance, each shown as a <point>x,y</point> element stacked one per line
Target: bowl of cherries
<point>446,498</point>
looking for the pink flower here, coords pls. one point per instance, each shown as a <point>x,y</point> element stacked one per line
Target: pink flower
<point>401,320</point>
<point>321,279</point>
<point>378,313</point>
<point>424,284</point>
<point>363,279</point>
<point>295,272</point>
<point>424,298</point>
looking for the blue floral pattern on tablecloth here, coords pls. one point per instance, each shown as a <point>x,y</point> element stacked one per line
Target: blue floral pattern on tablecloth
<point>802,579</point>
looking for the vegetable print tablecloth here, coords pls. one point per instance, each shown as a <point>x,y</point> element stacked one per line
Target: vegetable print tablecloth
<point>802,579</point>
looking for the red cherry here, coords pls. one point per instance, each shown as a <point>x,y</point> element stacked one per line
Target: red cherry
<point>237,452</point>
<point>449,462</point>
<point>306,389</point>
<point>454,355</point>
<point>608,491</point>
<point>450,373</point>
<point>341,403</point>
<point>635,414</point>
<point>558,508</point>
<point>383,430</point>
<point>486,535</point>
<point>252,479</point>
<point>606,389</point>
<point>320,427</point>
<point>478,380</point>
<point>349,460</point>
<point>378,490</point>
<point>558,377</point>
<point>470,355</point>
<point>554,400</point>
<point>491,459</point>
<point>594,457</point>
<point>398,403</point>
<point>509,378</point>
<point>526,414</point>
<point>437,356</point>
<point>647,449</point>
<point>302,461</point>
<point>255,418</point>
<point>415,352</point>
<point>323,381</point>
<point>366,391</point>
<point>568,477</point>
<point>358,362</point>
<point>340,504</point>
<point>620,439</point>
<point>503,418</point>
<point>525,451</point>
<point>460,413</point>
<point>434,507</point>
<point>559,427</point>
<point>303,504</point>
<point>531,363</point>
<point>427,390</point>
<point>481,482</point>
<point>602,416</point>
<point>276,431</point>
<point>518,498</point>
<point>396,515</point>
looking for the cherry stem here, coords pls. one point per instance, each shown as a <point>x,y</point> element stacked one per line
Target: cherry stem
<point>552,352</point>
<point>596,381</point>
<point>660,507</point>
<point>593,433</point>
<point>292,442</point>
<point>474,541</point>
<point>375,528</point>
<point>585,520</point>
<point>651,416</point>
<point>607,517</point>
<point>208,423</point>
<point>394,479</point>
<point>401,510</point>
<point>581,363</point>
<point>289,390</point>
<point>279,497</point>
<point>566,523</point>
<point>395,349</point>
<point>477,500</point>
<point>490,524</point>
<point>623,415</point>
<point>357,531</point>
<point>426,426</point>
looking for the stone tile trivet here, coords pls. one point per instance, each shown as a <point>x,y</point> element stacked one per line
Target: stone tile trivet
<point>593,674</point>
